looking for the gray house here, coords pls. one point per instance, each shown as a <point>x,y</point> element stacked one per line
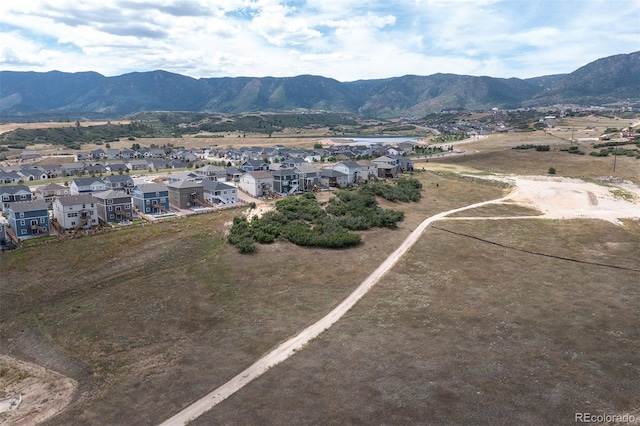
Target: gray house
<point>113,206</point>
<point>220,193</point>
<point>122,183</point>
<point>308,177</point>
<point>285,181</point>
<point>28,218</point>
<point>13,193</point>
<point>151,198</point>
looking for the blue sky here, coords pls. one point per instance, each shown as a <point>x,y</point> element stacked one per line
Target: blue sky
<point>343,39</point>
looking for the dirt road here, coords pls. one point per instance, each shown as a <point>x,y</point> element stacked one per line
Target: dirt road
<point>557,198</point>
<point>288,348</point>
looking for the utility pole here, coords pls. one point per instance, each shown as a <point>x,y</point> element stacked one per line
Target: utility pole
<point>615,157</point>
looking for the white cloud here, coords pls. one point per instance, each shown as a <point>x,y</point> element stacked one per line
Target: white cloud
<point>342,39</point>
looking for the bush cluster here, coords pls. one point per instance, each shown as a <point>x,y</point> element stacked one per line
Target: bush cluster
<point>405,189</point>
<point>532,146</point>
<point>302,221</point>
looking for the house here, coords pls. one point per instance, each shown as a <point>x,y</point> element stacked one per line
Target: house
<point>387,171</point>
<point>211,172</point>
<point>351,169</point>
<point>10,177</point>
<point>33,172</point>
<point>96,169</point>
<point>83,155</point>
<point>113,206</point>
<point>113,153</point>
<point>156,164</point>
<point>122,183</point>
<point>233,174</point>
<point>4,239</point>
<point>369,169</point>
<point>385,159</point>
<point>86,185</point>
<point>404,163</point>
<point>285,181</point>
<point>219,193</point>
<point>333,178</point>
<point>30,155</point>
<point>308,177</point>
<point>116,167</point>
<point>13,193</point>
<point>127,154</point>
<point>138,165</point>
<point>76,211</point>
<point>257,183</point>
<point>28,218</point>
<point>254,166</point>
<point>52,170</point>
<point>180,176</point>
<point>185,194</point>
<point>151,198</point>
<point>70,169</point>
<point>98,154</point>
<point>52,190</point>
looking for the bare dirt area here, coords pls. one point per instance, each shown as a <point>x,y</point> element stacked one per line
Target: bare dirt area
<point>7,127</point>
<point>566,198</point>
<point>44,393</point>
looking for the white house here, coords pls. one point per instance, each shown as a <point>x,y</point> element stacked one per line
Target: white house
<point>76,211</point>
<point>220,193</point>
<point>351,169</point>
<point>257,183</point>
<point>86,185</point>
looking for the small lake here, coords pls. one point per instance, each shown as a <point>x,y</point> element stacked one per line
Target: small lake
<point>378,140</point>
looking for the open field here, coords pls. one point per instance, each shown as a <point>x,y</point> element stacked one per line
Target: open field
<point>465,332</point>
<point>172,300</point>
<point>495,154</point>
<point>149,319</point>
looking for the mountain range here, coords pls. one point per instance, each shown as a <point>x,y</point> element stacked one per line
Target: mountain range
<point>608,80</point>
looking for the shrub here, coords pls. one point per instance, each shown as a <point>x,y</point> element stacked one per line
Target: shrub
<point>552,171</point>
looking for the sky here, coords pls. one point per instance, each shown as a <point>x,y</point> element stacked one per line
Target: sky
<point>346,40</point>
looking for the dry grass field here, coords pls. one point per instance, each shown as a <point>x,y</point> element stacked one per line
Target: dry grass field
<point>475,325</point>
<point>149,319</point>
<point>465,332</point>
<point>495,154</point>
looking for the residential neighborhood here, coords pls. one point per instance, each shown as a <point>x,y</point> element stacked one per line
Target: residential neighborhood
<point>103,188</point>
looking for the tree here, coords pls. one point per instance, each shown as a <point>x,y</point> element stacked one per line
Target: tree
<point>108,145</point>
<point>552,171</point>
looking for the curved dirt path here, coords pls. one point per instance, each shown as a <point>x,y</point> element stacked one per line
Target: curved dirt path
<point>289,347</point>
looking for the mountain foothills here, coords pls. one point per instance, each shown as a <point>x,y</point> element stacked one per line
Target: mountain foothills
<point>609,80</point>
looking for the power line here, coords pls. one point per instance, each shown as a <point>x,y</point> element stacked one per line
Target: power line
<point>536,253</point>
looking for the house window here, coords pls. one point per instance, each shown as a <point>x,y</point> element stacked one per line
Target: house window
<point>42,220</point>
<point>73,224</point>
<point>21,214</point>
<point>163,200</point>
<point>127,206</point>
<point>148,202</point>
<point>109,201</point>
<point>92,205</point>
<point>111,216</point>
<point>23,197</point>
<point>22,222</point>
<point>110,208</point>
<point>24,231</point>
<point>84,206</point>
